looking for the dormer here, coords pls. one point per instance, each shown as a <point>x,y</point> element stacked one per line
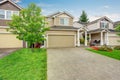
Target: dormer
<point>101,23</point>
<point>105,23</point>
<point>60,19</point>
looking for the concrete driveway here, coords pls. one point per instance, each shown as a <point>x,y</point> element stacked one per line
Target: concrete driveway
<point>4,52</point>
<point>80,64</point>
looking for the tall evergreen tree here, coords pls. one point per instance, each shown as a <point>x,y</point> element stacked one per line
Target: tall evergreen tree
<point>83,18</point>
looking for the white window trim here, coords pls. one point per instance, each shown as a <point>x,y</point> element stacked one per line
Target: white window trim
<point>6,14</point>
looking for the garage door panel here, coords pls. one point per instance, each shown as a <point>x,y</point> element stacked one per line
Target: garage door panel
<point>61,41</point>
<point>9,41</point>
<point>114,40</point>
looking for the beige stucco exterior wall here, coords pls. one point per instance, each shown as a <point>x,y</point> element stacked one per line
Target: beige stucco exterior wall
<point>50,22</point>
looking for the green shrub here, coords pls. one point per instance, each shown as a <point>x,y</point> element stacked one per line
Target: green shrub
<point>82,41</point>
<point>105,48</point>
<point>117,47</point>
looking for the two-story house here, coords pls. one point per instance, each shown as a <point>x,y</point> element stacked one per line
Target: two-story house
<point>7,9</point>
<point>100,32</point>
<point>61,33</point>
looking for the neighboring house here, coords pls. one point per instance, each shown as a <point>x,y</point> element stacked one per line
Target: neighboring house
<point>101,31</point>
<point>7,39</point>
<point>116,23</point>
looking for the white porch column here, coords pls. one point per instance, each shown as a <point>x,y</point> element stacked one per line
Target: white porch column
<point>85,38</point>
<point>89,37</point>
<point>107,40</point>
<point>78,37</point>
<point>101,41</point>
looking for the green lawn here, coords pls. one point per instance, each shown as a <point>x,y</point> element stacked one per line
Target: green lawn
<point>24,65</point>
<point>114,54</point>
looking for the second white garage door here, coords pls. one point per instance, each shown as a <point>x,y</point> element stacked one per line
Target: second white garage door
<point>55,41</point>
<point>114,40</point>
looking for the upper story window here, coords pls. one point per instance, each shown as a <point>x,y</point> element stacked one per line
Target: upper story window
<point>2,14</point>
<point>104,24</point>
<point>7,14</point>
<point>49,19</point>
<point>64,21</point>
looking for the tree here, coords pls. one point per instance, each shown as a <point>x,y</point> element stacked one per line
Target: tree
<point>29,25</point>
<point>83,18</point>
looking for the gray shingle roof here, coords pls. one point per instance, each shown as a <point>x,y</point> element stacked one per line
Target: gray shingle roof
<point>63,28</point>
<point>104,17</point>
<point>96,30</point>
<point>99,30</point>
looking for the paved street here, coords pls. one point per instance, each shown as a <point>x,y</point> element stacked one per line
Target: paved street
<point>80,64</point>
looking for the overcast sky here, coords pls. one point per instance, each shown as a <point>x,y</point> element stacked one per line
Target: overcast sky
<point>94,8</point>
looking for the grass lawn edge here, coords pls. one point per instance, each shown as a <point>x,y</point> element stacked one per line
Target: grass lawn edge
<point>112,54</point>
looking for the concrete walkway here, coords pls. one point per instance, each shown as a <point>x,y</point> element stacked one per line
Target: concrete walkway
<point>5,52</point>
<point>80,64</point>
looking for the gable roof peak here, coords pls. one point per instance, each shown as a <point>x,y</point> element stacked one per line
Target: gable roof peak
<point>3,1</point>
<point>104,17</point>
<point>59,13</point>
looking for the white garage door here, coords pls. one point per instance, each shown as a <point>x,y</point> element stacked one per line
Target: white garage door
<point>10,41</point>
<point>55,41</point>
<point>113,40</point>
